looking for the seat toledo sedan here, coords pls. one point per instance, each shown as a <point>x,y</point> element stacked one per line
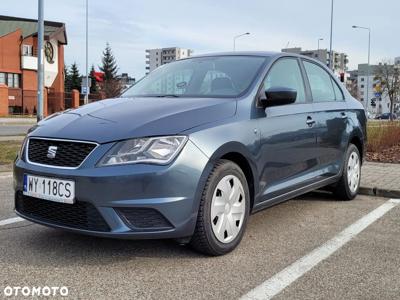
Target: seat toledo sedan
<point>193,149</point>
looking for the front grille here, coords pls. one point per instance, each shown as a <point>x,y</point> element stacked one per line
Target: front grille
<point>81,215</point>
<point>144,218</point>
<point>68,153</point>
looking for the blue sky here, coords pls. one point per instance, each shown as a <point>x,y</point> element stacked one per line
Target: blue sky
<point>132,26</point>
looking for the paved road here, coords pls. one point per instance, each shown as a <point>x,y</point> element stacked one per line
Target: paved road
<point>367,267</point>
<point>14,129</point>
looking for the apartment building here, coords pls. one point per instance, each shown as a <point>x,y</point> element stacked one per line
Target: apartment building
<point>340,60</point>
<point>161,56</point>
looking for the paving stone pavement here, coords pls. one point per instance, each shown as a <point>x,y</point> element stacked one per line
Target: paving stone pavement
<point>380,179</point>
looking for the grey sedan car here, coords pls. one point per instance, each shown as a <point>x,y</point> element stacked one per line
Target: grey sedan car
<point>193,149</point>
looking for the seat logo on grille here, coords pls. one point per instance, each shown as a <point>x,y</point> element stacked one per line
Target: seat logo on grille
<point>51,152</point>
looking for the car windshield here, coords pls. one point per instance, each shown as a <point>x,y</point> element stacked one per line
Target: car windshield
<point>215,76</point>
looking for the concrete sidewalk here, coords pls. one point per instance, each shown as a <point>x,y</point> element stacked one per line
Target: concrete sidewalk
<point>16,120</point>
<point>380,179</point>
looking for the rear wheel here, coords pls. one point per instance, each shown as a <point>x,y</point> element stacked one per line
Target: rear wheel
<point>349,184</point>
<point>224,210</point>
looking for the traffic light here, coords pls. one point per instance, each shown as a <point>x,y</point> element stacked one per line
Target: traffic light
<point>341,77</point>
<point>373,102</point>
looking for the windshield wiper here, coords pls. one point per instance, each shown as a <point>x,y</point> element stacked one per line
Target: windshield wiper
<point>168,96</point>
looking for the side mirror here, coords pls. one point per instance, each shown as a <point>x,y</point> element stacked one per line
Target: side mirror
<point>278,96</point>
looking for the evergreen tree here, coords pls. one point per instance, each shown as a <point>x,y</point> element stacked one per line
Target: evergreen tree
<point>111,87</point>
<point>67,79</point>
<point>75,77</point>
<point>93,88</point>
<point>109,64</point>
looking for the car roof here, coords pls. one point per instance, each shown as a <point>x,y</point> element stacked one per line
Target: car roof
<point>240,53</point>
<point>272,54</point>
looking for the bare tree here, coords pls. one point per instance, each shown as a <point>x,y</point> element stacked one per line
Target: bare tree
<point>353,88</point>
<point>111,88</point>
<point>388,76</point>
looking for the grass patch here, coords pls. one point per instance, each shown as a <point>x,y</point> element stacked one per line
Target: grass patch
<point>8,151</point>
<point>382,135</point>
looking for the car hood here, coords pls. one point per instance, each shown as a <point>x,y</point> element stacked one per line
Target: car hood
<point>124,118</point>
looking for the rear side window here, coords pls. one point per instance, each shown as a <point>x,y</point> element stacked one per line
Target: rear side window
<point>286,73</point>
<point>320,83</point>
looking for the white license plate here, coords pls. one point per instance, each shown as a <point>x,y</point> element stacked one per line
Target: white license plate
<point>52,189</point>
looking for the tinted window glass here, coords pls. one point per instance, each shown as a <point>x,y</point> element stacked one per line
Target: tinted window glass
<point>218,76</point>
<point>286,73</point>
<point>338,92</point>
<point>320,83</point>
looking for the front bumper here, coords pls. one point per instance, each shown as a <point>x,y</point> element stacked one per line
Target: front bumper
<point>165,197</point>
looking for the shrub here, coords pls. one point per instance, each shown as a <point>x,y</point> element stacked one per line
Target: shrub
<point>382,135</point>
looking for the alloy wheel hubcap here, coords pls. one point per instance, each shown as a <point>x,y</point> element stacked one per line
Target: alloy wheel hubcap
<point>228,208</point>
<point>353,172</point>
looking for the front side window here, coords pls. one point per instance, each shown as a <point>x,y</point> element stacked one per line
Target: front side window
<point>286,73</point>
<point>320,83</point>
<point>213,76</point>
<point>338,92</point>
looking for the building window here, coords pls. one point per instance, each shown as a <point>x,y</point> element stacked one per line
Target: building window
<point>16,80</point>
<point>362,99</point>
<point>10,80</point>
<point>362,79</point>
<point>362,86</point>
<point>27,50</point>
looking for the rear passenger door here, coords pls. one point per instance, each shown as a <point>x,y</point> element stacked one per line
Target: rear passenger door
<point>331,118</point>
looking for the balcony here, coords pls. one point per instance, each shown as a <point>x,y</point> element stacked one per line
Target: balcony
<point>29,62</point>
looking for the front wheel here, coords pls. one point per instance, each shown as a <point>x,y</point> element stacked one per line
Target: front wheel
<point>224,210</point>
<point>349,184</point>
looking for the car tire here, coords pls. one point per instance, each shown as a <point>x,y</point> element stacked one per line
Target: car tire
<point>349,183</point>
<point>225,198</point>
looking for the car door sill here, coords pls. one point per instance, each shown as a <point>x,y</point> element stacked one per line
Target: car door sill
<point>297,192</point>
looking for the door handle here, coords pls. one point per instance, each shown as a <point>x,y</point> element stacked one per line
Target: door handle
<point>343,115</point>
<point>310,122</point>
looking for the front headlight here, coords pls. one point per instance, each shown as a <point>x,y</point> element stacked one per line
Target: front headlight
<point>155,150</point>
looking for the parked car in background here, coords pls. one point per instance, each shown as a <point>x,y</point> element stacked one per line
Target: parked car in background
<point>370,115</point>
<point>386,116</point>
<point>191,150</point>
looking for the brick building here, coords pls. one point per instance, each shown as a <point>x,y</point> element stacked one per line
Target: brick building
<point>18,64</point>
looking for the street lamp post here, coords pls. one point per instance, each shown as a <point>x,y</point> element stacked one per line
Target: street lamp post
<point>87,54</point>
<point>330,48</point>
<point>320,39</point>
<point>40,72</point>
<point>236,37</point>
<point>369,57</point>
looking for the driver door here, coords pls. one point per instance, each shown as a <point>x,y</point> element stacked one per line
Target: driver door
<point>288,135</point>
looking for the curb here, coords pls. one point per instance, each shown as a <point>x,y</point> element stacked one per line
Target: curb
<point>379,192</point>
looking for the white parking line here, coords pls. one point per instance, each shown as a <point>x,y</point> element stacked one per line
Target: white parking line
<point>11,221</point>
<point>287,276</point>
